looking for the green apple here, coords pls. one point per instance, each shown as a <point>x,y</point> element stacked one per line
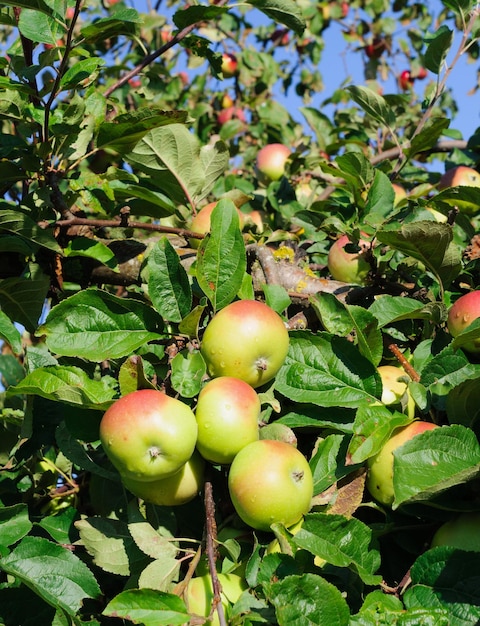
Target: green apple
<point>461,314</point>
<point>227,413</point>
<point>463,533</point>
<point>395,388</point>
<point>174,490</point>
<point>349,267</point>
<point>246,340</point>
<point>270,482</point>
<point>271,160</point>
<point>200,595</point>
<point>148,435</point>
<point>380,467</point>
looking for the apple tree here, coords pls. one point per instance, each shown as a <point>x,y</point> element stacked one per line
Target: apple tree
<point>161,162</point>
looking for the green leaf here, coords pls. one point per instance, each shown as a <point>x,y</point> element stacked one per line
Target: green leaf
<point>380,200</point>
<point>39,27</point>
<point>428,136</point>
<point>67,384</point>
<point>132,375</point>
<point>193,14</point>
<point>38,5</point>
<point>82,73</point>
<point>326,463</point>
<point>10,334</point>
<point>221,257</point>
<point>175,150</point>
<point>467,336</point>
<point>463,404</point>
<point>148,607</point>
<point>447,579</point>
<point>22,225</point>
<point>123,21</point>
<point>342,542</point>
<point>327,371</point>
<point>168,284</point>
<point>372,429</point>
<point>53,572</point>
<point>434,461</point>
<point>381,608</point>
<point>156,544</point>
<point>286,12</point>
<point>438,45</point>
<point>124,131</point>
<point>342,319</point>
<point>110,544</point>
<point>23,297</point>
<point>96,325</point>
<point>59,527</point>
<point>373,104</point>
<point>188,370</point>
<point>390,309</point>
<point>428,242</point>
<point>91,249</point>
<point>276,296</point>
<point>14,524</point>
<point>463,197</point>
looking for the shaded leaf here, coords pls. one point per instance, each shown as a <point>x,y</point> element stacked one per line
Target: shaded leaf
<point>148,607</point>
<point>286,12</point>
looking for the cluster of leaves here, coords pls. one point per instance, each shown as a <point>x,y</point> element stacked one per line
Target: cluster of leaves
<point>100,178</point>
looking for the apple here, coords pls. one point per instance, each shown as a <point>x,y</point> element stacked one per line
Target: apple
<point>148,435</point>
<point>228,411</point>
<point>280,37</point>
<point>460,176</point>
<point>380,467</point>
<point>421,73</point>
<point>406,80</point>
<point>201,222</point>
<point>349,267</point>
<point>200,595</point>
<point>230,113</point>
<point>394,386</point>
<point>229,65</point>
<point>246,339</point>
<point>400,193</point>
<point>376,48</point>
<point>271,160</point>
<point>174,490</point>
<point>462,533</point>
<point>270,482</point>
<point>461,314</point>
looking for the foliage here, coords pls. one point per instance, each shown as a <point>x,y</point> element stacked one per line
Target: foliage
<point>110,144</point>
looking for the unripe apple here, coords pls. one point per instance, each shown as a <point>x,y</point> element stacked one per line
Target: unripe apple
<point>174,490</point>
<point>460,176</point>
<point>200,595</point>
<point>201,222</point>
<point>461,314</point>
<point>270,482</point>
<point>462,533</point>
<point>380,467</point>
<point>229,65</point>
<point>271,160</point>
<point>247,340</point>
<point>349,267</point>
<point>228,411</point>
<point>148,435</point>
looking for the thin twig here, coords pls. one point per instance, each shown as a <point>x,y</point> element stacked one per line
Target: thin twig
<point>211,531</point>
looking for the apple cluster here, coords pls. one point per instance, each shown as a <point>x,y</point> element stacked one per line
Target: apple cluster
<point>160,446</point>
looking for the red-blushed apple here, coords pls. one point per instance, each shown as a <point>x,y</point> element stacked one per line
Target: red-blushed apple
<point>460,176</point>
<point>461,314</point>
<point>349,267</point>
<point>375,48</point>
<point>230,113</point>
<point>462,533</point>
<point>406,80</point>
<point>148,435</point>
<point>174,490</point>
<point>200,595</point>
<point>271,160</point>
<point>229,65</point>
<point>228,412</point>
<point>246,339</point>
<point>380,467</point>
<point>201,222</point>
<point>270,482</point>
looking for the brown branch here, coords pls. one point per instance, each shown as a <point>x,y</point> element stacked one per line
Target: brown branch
<point>211,532</point>
<point>414,375</point>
